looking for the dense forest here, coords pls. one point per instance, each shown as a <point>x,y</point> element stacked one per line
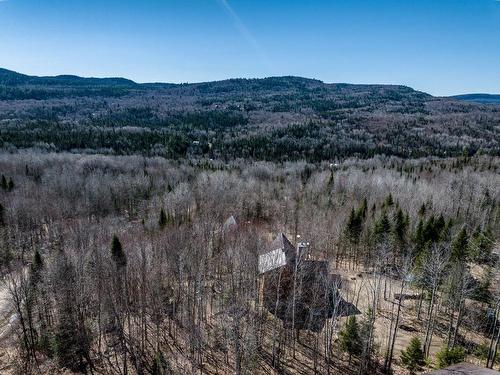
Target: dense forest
<point>248,226</point>
<point>273,119</point>
<point>126,264</point>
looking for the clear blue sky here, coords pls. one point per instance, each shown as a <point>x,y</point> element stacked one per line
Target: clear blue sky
<point>439,46</point>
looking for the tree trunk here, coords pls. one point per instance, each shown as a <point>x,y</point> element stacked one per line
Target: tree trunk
<point>391,352</point>
<point>457,326</point>
<point>429,322</point>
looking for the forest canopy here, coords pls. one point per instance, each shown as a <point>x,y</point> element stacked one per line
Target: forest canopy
<point>273,119</point>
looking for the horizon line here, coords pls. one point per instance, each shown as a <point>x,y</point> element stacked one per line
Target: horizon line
<point>247,78</point>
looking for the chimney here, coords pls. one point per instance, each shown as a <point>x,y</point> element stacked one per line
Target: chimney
<point>302,249</point>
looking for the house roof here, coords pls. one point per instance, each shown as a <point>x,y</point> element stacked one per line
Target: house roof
<point>464,369</point>
<point>282,252</point>
<point>283,243</point>
<point>271,260</point>
<point>229,224</point>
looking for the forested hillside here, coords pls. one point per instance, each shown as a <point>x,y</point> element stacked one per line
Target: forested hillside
<point>248,226</point>
<point>479,98</point>
<point>129,265</point>
<point>274,119</point>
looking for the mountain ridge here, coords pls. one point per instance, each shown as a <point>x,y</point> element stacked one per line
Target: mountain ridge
<point>483,98</point>
<point>274,118</point>
<point>11,77</point>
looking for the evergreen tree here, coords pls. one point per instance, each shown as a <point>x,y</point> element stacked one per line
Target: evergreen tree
<point>160,365</point>
<point>481,245</point>
<point>400,226</point>
<point>430,232</point>
<point>449,356</point>
<point>459,246</point>
<point>10,186</point>
<point>366,331</point>
<point>413,357</point>
<point>4,183</point>
<point>353,226</point>
<point>117,252</point>
<point>388,201</point>
<point>71,341</point>
<point>350,339</point>
<point>445,233</point>
<point>382,227</point>
<point>35,273</point>
<point>363,208</point>
<point>419,236</point>
<point>36,265</point>
<point>422,210</point>
<point>439,226</point>
<point>2,220</point>
<point>162,221</point>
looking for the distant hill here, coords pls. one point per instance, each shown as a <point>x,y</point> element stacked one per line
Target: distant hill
<point>479,98</point>
<point>275,118</point>
<point>11,78</point>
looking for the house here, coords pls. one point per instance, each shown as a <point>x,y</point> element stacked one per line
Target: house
<point>298,290</point>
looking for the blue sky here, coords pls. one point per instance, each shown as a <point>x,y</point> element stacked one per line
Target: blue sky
<point>438,46</point>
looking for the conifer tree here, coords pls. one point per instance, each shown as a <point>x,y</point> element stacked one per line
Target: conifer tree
<point>480,245</point>
<point>71,340</point>
<point>4,183</point>
<point>162,221</point>
<point>363,208</point>
<point>350,338</point>
<point>445,233</point>
<point>449,356</point>
<point>430,234</point>
<point>389,201</point>
<point>439,226</point>
<point>36,266</point>
<point>459,246</point>
<point>419,236</point>
<point>400,227</point>
<point>382,227</point>
<point>422,210</point>
<point>117,252</point>
<point>353,226</point>
<point>413,357</point>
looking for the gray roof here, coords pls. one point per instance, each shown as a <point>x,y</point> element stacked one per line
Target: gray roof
<point>282,252</point>
<point>464,369</point>
<point>229,224</point>
<point>271,260</point>
<point>283,243</point>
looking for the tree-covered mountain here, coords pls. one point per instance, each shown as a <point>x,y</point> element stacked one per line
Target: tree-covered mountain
<point>276,118</point>
<point>11,78</point>
<point>479,98</point>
